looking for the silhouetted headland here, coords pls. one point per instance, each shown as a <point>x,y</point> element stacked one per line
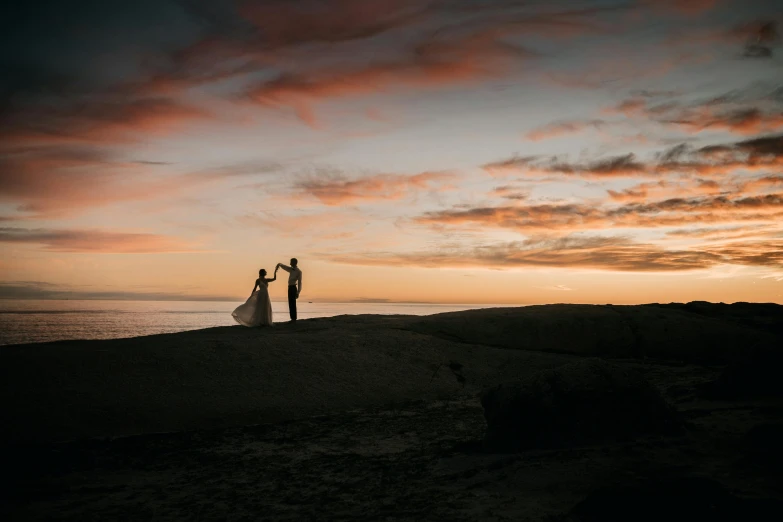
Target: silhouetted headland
<point>227,376</point>
<point>550,403</point>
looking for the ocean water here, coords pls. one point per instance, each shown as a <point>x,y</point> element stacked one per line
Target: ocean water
<point>30,321</point>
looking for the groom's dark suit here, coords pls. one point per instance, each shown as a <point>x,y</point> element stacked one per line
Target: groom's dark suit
<point>294,279</point>
<point>292,295</point>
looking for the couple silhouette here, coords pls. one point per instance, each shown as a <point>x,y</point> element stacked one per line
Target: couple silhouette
<point>257,310</point>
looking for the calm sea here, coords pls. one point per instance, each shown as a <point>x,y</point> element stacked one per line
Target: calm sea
<point>25,321</point>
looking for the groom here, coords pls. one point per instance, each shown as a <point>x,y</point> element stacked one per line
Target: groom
<point>294,279</point>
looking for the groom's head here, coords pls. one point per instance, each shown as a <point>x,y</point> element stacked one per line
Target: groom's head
<point>294,262</point>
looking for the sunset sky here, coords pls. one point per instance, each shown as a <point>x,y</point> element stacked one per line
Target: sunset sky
<point>458,151</point>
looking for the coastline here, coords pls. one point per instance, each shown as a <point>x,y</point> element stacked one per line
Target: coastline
<point>39,321</point>
<point>365,417</point>
<point>229,376</point>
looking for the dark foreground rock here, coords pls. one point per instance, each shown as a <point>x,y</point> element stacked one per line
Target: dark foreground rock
<point>682,499</point>
<point>583,402</point>
<point>757,376</point>
<point>234,376</point>
<point>694,332</point>
<point>762,446</point>
<point>414,461</point>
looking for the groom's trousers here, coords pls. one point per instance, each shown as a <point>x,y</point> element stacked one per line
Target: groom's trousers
<point>292,301</point>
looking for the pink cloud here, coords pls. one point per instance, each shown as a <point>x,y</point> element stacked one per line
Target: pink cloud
<point>285,23</point>
<point>743,114</point>
<point>456,54</point>
<point>725,233</point>
<point>755,155</point>
<point>97,122</point>
<point>563,128</point>
<point>62,180</point>
<point>510,192</point>
<point>586,252</point>
<point>668,189</point>
<point>337,190</point>
<point>762,183</point>
<point>531,217</point>
<point>625,165</point>
<point>96,241</point>
<point>432,66</point>
<point>746,122</point>
<point>57,181</point>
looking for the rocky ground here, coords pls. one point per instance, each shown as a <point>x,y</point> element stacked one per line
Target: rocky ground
<point>424,458</point>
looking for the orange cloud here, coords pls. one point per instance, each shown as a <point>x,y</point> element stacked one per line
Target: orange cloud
<point>722,203</point>
<point>442,53</point>
<point>755,155</point>
<point>520,218</point>
<point>734,112</point>
<point>63,179</point>
<point>557,129</point>
<point>616,166</point>
<point>446,42</point>
<point>285,23</point>
<point>55,181</point>
<point>44,290</point>
<point>585,252</point>
<point>630,107</point>
<point>337,191</point>
<point>767,253</point>
<point>433,65</point>
<point>638,192</point>
<point>510,192</point>
<point>95,241</point>
<point>640,106</point>
<point>741,121</point>
<point>725,233</point>
<point>763,183</point>
<point>96,122</point>
<point>666,189</point>
<point>572,216</point>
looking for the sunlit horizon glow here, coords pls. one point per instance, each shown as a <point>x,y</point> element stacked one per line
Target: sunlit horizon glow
<point>443,151</point>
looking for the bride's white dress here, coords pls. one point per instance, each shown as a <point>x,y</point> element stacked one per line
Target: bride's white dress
<point>257,310</point>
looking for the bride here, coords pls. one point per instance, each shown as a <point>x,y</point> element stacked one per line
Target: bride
<point>257,310</point>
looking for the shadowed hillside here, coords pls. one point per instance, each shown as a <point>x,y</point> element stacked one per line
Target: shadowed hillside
<point>702,332</point>
<point>503,414</point>
<point>234,376</point>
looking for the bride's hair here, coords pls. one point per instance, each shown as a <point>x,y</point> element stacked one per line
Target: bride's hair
<point>262,273</point>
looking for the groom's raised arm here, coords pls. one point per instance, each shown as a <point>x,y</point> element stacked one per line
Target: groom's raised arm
<point>284,267</point>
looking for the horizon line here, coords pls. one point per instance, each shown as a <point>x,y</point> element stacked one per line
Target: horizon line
<point>226,299</point>
<point>360,301</point>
